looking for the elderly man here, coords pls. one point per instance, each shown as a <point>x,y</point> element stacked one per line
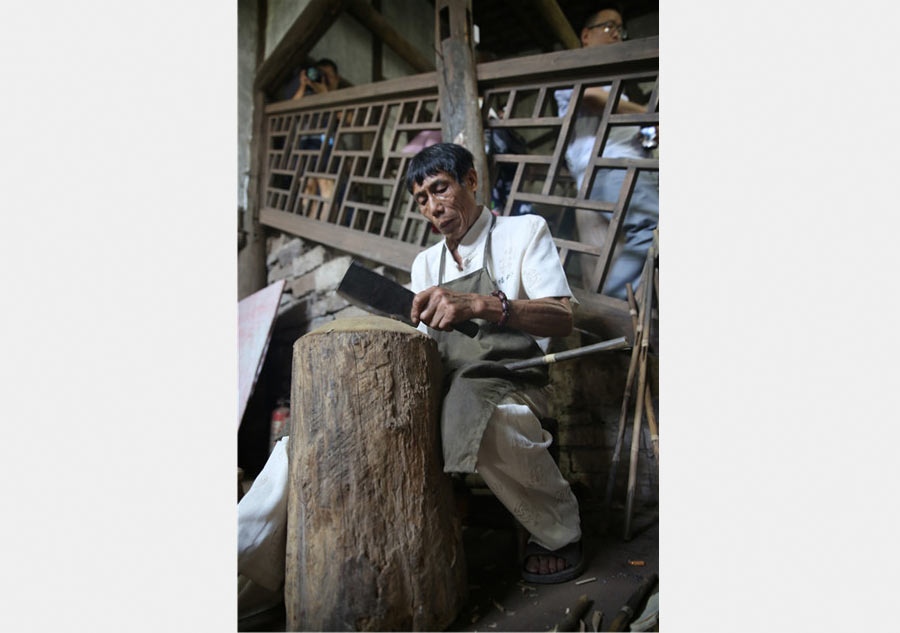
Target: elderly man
<point>604,27</point>
<point>503,272</point>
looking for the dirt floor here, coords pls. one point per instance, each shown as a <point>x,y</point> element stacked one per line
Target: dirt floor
<point>500,601</point>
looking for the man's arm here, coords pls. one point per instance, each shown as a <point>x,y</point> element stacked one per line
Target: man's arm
<point>595,99</point>
<point>318,87</point>
<point>440,308</point>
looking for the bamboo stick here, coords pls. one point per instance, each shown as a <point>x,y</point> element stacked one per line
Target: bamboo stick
<point>646,310</point>
<point>620,434</point>
<point>603,346</point>
<point>632,310</point>
<point>651,422</point>
<point>648,399</point>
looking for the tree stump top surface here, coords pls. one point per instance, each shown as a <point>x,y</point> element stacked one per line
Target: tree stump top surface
<point>368,322</point>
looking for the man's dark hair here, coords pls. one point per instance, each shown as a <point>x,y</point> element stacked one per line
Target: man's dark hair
<point>454,159</point>
<point>327,62</point>
<point>604,6</point>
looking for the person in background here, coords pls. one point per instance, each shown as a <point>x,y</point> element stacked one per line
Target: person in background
<point>604,27</point>
<point>317,79</point>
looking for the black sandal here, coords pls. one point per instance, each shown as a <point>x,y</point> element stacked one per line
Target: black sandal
<point>570,553</point>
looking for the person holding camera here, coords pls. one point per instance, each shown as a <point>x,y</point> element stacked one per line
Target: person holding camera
<point>316,79</point>
<point>322,77</point>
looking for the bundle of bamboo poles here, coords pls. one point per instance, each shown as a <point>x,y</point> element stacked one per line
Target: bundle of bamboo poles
<point>641,313</point>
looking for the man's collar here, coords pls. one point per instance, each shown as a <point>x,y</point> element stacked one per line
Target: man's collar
<point>476,229</point>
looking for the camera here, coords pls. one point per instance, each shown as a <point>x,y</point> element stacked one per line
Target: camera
<point>314,74</point>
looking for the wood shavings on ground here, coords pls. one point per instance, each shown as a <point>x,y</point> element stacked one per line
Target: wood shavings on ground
<point>498,605</point>
<point>585,581</point>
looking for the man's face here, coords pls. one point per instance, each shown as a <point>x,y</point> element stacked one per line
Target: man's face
<point>598,36</point>
<point>447,204</point>
<point>330,76</point>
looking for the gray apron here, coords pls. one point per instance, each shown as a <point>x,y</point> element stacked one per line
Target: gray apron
<point>476,380</point>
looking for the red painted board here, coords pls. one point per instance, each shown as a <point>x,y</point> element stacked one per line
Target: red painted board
<point>256,316</point>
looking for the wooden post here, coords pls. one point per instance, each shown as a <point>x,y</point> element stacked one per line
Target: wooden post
<point>458,85</point>
<point>252,274</point>
<point>373,542</point>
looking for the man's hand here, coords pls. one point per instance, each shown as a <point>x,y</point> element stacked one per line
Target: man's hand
<point>439,308</point>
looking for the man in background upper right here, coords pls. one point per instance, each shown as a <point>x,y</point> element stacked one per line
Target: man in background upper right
<point>602,28</point>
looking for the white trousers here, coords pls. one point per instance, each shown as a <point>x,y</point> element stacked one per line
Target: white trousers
<point>514,462</point>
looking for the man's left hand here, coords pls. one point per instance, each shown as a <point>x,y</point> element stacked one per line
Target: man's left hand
<point>439,308</point>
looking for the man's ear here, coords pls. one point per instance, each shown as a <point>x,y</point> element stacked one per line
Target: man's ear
<point>472,179</point>
<point>584,34</point>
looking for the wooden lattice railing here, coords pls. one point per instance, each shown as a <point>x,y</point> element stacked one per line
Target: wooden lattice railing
<point>335,164</point>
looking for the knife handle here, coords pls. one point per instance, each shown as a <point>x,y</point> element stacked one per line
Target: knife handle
<point>469,328</point>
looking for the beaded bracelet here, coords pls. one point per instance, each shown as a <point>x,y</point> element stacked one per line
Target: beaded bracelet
<point>504,305</point>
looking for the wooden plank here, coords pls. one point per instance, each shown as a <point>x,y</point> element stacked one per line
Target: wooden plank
<point>392,88</point>
<point>621,59</point>
<point>651,118</point>
<point>569,245</point>
<point>383,250</point>
<point>315,18</point>
<point>606,317</point>
<point>602,133</point>
<point>523,158</point>
<point>382,29</point>
<point>256,316</point>
<point>549,121</point>
<point>561,201</point>
<point>614,59</point>
<point>396,194</point>
<point>513,189</point>
<point>650,164</point>
<point>653,103</point>
<point>556,20</point>
<point>377,51</point>
<point>562,140</point>
<point>615,228</point>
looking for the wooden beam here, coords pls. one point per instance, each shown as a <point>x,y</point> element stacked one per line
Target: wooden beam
<point>382,29</point>
<point>458,85</point>
<point>377,50</point>
<point>556,20</point>
<point>402,87</point>
<point>383,250</point>
<point>315,18</point>
<point>252,258</point>
<point>614,60</point>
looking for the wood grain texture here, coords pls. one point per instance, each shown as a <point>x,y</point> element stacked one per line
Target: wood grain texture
<point>373,539</point>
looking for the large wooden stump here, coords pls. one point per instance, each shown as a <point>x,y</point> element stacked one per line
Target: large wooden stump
<point>373,540</point>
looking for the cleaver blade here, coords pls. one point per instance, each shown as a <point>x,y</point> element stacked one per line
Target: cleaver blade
<point>377,294</point>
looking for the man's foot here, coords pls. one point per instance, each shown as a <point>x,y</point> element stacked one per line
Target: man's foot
<point>552,566</point>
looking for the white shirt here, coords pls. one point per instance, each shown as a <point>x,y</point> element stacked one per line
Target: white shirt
<point>523,260</point>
